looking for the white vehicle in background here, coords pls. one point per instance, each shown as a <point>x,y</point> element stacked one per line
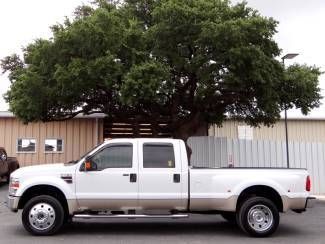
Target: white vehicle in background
<point>150,178</point>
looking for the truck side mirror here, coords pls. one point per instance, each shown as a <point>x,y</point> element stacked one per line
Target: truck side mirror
<point>90,165</point>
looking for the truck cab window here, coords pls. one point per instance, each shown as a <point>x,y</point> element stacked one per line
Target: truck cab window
<point>158,155</point>
<point>114,156</point>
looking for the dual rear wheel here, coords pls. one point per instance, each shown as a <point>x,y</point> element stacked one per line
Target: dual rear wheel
<point>257,216</point>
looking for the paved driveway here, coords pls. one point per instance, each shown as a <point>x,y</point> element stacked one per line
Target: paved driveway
<point>304,228</point>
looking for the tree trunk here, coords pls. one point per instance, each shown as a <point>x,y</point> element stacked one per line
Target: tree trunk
<point>181,134</point>
<point>188,129</point>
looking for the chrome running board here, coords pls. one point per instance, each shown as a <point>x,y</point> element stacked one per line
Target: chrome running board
<point>128,216</point>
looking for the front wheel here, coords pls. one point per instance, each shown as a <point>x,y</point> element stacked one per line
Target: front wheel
<point>258,216</point>
<point>43,215</point>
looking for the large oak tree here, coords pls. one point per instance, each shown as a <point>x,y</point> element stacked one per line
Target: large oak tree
<point>191,62</point>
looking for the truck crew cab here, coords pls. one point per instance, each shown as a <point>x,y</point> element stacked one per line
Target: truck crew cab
<point>150,178</point>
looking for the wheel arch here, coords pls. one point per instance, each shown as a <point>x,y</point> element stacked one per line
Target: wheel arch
<point>44,189</point>
<point>261,191</point>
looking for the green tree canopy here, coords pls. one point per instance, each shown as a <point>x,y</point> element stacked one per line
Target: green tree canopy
<point>190,61</point>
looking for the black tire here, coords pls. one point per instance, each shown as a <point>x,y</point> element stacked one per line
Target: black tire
<point>68,220</point>
<point>266,213</point>
<point>230,217</point>
<point>58,215</point>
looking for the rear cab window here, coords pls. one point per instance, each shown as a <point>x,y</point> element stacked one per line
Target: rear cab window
<point>158,155</point>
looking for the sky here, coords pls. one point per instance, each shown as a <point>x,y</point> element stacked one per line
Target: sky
<point>300,30</point>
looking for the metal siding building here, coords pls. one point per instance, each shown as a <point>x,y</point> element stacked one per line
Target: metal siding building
<point>265,147</point>
<point>302,130</point>
<point>78,135</point>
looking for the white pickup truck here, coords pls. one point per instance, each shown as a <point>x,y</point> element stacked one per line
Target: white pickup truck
<point>150,178</point>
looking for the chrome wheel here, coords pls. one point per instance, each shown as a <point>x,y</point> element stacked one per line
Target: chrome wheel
<point>260,218</point>
<point>42,216</point>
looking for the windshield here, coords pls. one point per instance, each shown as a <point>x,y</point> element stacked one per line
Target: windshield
<point>76,161</point>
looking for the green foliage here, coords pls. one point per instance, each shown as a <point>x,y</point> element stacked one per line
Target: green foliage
<point>190,61</point>
<point>300,88</point>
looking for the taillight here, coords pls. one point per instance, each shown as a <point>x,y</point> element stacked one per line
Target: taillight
<point>308,183</point>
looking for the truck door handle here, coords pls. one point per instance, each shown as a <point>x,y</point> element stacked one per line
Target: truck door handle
<point>126,174</point>
<point>177,178</point>
<point>133,177</point>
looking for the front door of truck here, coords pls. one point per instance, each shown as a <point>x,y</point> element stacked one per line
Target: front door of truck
<point>160,182</point>
<point>113,183</point>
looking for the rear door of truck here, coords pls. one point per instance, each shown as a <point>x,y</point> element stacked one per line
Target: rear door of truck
<point>160,175</point>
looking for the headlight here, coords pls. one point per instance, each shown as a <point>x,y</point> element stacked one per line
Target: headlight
<point>13,186</point>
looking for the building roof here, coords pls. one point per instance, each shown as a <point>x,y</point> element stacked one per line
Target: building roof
<point>8,114</point>
<point>316,114</point>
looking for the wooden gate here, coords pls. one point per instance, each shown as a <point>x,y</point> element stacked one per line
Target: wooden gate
<point>134,128</point>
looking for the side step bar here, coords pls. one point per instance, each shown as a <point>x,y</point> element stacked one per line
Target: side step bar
<point>128,216</point>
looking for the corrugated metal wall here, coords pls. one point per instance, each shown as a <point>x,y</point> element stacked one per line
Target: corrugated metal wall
<point>79,136</point>
<point>220,152</point>
<point>298,130</point>
<point>208,151</point>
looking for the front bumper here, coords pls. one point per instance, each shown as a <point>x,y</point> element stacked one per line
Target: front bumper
<point>12,203</point>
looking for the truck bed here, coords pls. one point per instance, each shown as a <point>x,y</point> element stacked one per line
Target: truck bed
<point>219,188</point>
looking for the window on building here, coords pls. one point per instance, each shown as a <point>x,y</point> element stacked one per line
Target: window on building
<point>53,145</point>
<point>245,132</point>
<point>26,145</point>
<point>158,155</point>
<point>114,156</point>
